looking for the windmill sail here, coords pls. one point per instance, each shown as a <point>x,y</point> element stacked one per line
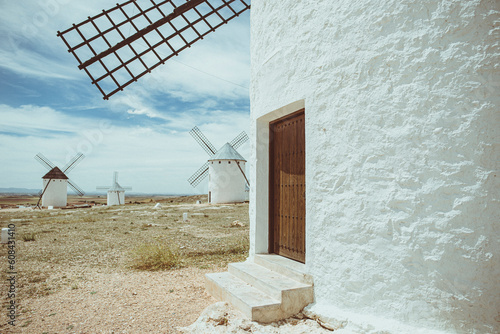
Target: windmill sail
<point>199,175</point>
<point>44,161</point>
<point>203,141</point>
<point>115,186</point>
<point>73,163</point>
<point>75,188</point>
<point>122,44</point>
<point>239,140</point>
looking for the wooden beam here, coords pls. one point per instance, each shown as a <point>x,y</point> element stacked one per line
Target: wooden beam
<point>177,12</point>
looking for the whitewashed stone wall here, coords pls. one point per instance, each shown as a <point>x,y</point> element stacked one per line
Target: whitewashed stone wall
<point>226,182</point>
<point>402,103</point>
<point>56,194</point>
<point>116,197</point>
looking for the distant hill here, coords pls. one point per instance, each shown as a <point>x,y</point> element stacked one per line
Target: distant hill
<point>25,191</point>
<point>18,191</point>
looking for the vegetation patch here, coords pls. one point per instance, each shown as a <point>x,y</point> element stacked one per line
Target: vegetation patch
<point>154,256</point>
<point>70,246</point>
<point>30,236</point>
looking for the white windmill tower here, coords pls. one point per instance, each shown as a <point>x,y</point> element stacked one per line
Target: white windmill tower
<point>225,168</point>
<point>55,182</point>
<point>116,193</point>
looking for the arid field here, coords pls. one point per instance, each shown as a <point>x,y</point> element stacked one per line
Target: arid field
<point>133,268</point>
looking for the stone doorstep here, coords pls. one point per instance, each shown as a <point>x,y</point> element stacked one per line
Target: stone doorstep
<point>290,268</point>
<point>261,294</point>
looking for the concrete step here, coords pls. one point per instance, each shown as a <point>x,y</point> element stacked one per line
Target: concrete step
<point>252,302</point>
<point>286,267</point>
<point>270,282</point>
<point>261,293</point>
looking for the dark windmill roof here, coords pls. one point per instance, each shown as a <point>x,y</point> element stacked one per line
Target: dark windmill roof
<point>55,173</point>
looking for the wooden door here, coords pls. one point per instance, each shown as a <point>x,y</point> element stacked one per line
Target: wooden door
<point>287,207</point>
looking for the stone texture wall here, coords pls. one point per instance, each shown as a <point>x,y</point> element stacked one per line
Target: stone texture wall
<point>402,123</point>
<point>56,193</point>
<point>115,197</point>
<point>226,182</point>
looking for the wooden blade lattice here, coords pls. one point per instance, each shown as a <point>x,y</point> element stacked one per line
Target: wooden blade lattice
<point>239,140</point>
<point>73,163</point>
<point>122,44</point>
<point>44,161</point>
<point>199,175</point>
<point>203,141</point>
<point>75,188</point>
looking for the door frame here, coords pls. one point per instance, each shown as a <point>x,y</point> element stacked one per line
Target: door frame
<point>270,182</point>
<point>259,192</point>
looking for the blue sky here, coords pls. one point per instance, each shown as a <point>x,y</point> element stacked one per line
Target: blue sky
<point>47,105</point>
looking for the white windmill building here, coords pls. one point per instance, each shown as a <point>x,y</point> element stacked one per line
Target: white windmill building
<point>55,183</point>
<point>225,169</point>
<point>116,193</point>
<point>375,160</point>
<point>374,156</point>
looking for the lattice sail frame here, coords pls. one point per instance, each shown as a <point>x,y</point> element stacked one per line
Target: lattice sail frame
<point>203,141</point>
<point>122,44</point>
<point>45,162</point>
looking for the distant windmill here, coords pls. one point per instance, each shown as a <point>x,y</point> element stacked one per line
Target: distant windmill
<point>116,193</point>
<point>55,191</point>
<point>159,31</point>
<point>225,168</point>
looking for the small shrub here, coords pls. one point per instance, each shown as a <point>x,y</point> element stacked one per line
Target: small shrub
<point>26,323</point>
<point>154,256</point>
<point>29,236</point>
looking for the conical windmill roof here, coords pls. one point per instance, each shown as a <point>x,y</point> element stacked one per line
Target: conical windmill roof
<point>116,187</point>
<point>227,152</point>
<point>55,174</point>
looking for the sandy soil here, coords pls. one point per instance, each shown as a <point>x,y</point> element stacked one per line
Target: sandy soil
<point>75,270</point>
<point>120,302</point>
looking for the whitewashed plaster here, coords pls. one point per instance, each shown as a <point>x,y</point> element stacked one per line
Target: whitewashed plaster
<point>56,194</point>
<point>116,197</point>
<point>402,152</point>
<point>226,183</point>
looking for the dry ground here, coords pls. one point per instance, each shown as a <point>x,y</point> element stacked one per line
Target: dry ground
<point>8,201</point>
<point>76,275</point>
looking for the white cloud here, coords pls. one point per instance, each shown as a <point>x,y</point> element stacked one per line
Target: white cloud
<point>39,121</point>
<point>158,159</point>
<point>205,71</point>
<point>217,66</point>
<point>29,42</point>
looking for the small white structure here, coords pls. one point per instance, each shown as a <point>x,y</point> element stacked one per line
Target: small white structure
<point>5,235</point>
<point>225,168</point>
<point>396,184</point>
<point>55,185</point>
<point>226,177</point>
<point>116,193</point>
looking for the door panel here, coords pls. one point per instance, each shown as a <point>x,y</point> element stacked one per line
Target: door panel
<point>287,186</point>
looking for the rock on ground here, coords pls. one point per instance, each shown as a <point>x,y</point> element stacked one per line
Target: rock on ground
<point>221,318</point>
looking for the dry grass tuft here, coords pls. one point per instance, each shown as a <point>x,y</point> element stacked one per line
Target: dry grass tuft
<point>154,257</point>
<point>31,236</point>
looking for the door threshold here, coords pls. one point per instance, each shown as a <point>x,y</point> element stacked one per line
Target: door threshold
<point>285,266</point>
